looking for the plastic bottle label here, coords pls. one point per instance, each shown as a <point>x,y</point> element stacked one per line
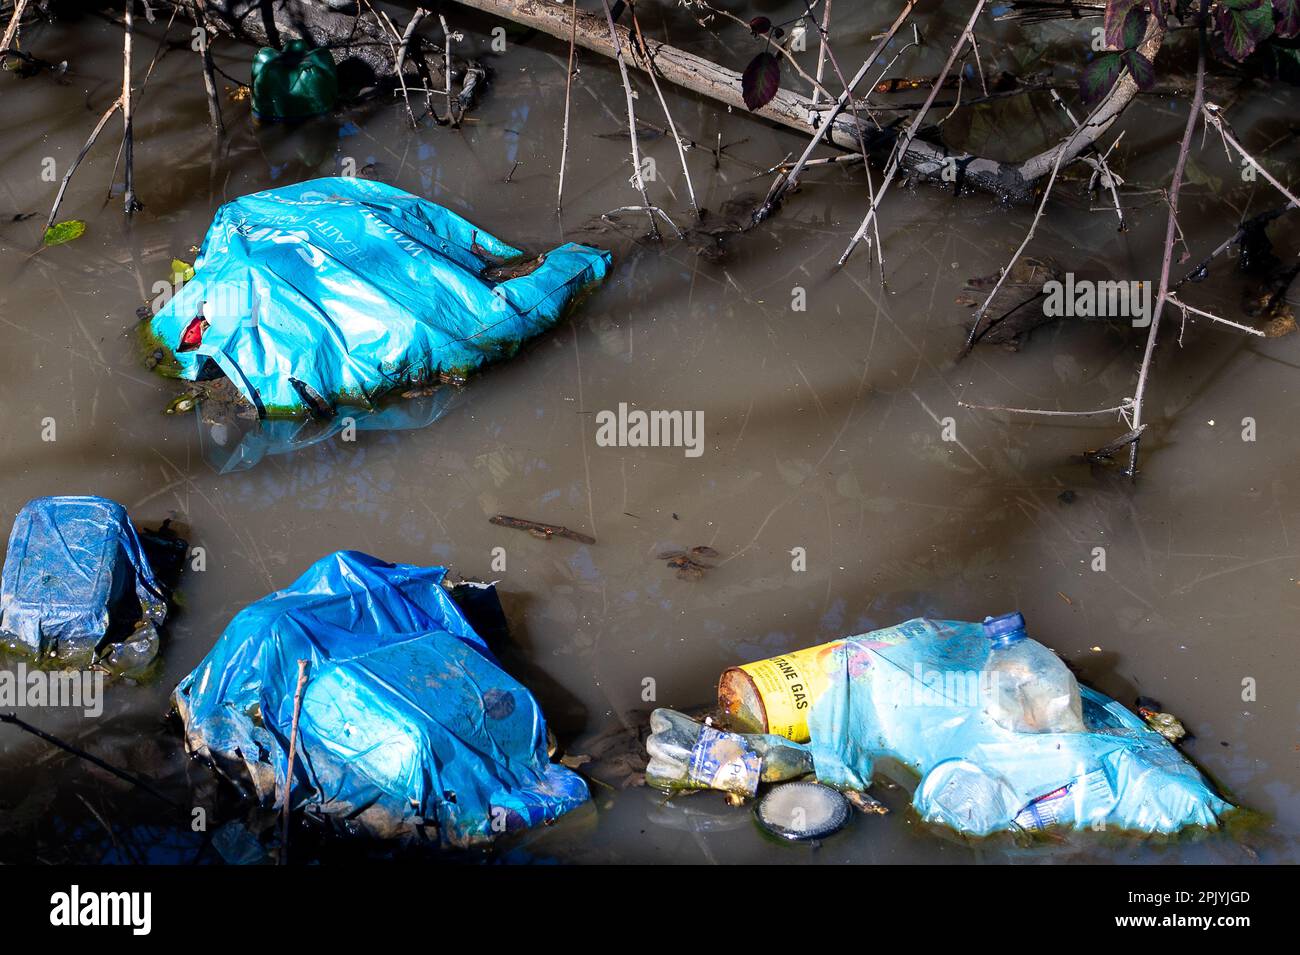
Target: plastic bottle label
<point>724,761</point>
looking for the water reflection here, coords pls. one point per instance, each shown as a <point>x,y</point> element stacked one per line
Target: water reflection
<point>232,442</point>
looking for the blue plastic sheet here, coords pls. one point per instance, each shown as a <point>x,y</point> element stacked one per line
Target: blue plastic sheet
<point>342,290</point>
<point>78,587</point>
<point>407,720</point>
<point>913,693</point>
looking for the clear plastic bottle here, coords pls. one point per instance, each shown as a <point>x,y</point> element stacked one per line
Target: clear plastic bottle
<point>1029,689</point>
<point>685,754</point>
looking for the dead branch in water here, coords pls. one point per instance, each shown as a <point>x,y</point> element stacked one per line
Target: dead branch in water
<point>122,774</point>
<point>129,201</point>
<point>790,180</point>
<point>909,134</point>
<point>405,45</point>
<point>631,118</point>
<point>642,50</point>
<point>209,78</point>
<point>1011,181</point>
<point>12,30</point>
<point>90,141</point>
<point>1171,231</point>
<point>540,530</point>
<point>568,97</point>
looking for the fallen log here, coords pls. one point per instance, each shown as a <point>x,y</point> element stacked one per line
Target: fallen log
<point>1011,181</point>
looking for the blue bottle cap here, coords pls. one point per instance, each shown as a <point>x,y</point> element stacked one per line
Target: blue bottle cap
<point>1005,630</point>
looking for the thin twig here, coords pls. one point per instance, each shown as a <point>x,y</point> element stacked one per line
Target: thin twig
<point>1213,117</point>
<point>821,51</point>
<point>128,136</point>
<point>293,750</point>
<point>1174,300</point>
<point>672,127</point>
<point>1121,408</point>
<point>447,37</point>
<point>409,32</point>
<point>568,95</point>
<point>1171,230</point>
<point>122,774</point>
<point>1033,225</point>
<point>90,141</point>
<point>773,45</point>
<point>1103,172</point>
<point>862,143</point>
<point>651,210</point>
<point>11,30</point>
<point>784,185</point>
<point>1197,272</point>
<point>631,120</point>
<point>909,134</point>
<point>209,80</point>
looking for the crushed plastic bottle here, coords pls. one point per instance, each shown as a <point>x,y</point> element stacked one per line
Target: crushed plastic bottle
<point>1030,690</point>
<point>295,83</point>
<point>686,754</point>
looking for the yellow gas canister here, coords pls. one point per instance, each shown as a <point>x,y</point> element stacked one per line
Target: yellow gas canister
<point>775,695</point>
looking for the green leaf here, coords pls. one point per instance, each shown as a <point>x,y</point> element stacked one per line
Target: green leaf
<point>1099,76</point>
<point>1244,24</point>
<point>62,232</point>
<point>182,272</point>
<point>1144,74</point>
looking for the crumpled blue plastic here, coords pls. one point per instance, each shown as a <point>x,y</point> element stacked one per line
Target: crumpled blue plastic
<point>347,289</point>
<point>407,720</point>
<point>910,693</point>
<point>77,585</point>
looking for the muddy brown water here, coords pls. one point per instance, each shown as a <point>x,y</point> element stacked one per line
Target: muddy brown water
<point>823,431</point>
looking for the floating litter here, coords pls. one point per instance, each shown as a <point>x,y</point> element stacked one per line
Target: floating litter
<point>799,811</point>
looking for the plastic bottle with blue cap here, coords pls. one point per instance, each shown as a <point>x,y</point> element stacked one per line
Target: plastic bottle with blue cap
<point>1029,689</point>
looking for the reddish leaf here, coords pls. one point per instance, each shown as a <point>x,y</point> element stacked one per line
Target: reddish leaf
<point>761,80</point>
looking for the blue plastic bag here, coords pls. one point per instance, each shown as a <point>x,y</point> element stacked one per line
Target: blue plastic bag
<point>407,721</point>
<point>78,587</point>
<point>342,290</point>
<point>913,693</point>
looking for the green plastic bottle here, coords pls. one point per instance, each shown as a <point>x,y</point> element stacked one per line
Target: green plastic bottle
<point>295,83</point>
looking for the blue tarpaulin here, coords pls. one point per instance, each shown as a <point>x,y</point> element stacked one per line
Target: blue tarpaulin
<point>78,587</point>
<point>342,290</point>
<point>913,693</point>
<point>407,721</point>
